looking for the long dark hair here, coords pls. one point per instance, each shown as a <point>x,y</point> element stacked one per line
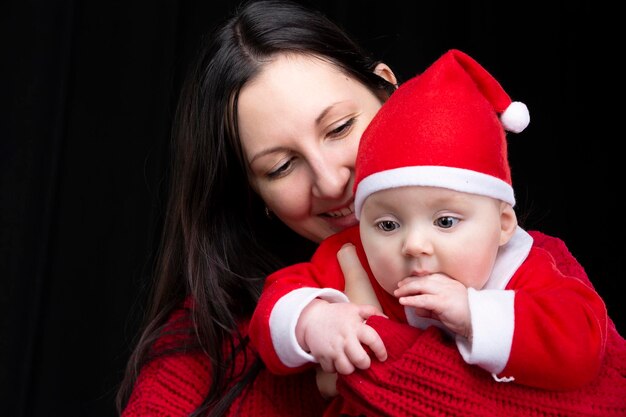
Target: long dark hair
<point>217,244</point>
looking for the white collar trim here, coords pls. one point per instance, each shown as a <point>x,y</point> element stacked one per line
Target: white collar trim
<point>510,258</point>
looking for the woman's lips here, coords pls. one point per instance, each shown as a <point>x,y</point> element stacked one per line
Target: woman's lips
<point>342,222</point>
<point>342,218</point>
<point>341,212</point>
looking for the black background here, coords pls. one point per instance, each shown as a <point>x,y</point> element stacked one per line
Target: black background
<point>88,91</point>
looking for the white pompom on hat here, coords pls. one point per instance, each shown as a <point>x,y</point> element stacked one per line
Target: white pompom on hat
<point>442,128</point>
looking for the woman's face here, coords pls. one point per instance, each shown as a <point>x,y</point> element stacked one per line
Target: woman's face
<point>300,122</point>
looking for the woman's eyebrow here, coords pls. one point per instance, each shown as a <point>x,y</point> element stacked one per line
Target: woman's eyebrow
<point>266,152</point>
<point>324,112</point>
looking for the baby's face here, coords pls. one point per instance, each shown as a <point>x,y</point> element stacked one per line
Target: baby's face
<point>416,231</point>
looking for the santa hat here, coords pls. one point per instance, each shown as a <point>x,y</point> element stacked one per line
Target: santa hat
<point>443,128</point>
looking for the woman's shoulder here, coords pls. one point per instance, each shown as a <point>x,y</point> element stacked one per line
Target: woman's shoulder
<point>560,253</point>
<point>176,378</point>
<point>547,242</point>
<point>170,385</point>
<point>177,328</point>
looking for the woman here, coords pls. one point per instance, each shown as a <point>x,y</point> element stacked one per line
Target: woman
<point>267,130</point>
<point>218,243</point>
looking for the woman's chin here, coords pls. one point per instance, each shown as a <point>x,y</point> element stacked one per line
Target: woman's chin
<point>323,227</point>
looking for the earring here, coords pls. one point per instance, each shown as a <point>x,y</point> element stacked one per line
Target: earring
<point>268,213</point>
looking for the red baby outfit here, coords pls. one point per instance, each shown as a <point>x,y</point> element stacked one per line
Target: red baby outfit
<point>545,300</point>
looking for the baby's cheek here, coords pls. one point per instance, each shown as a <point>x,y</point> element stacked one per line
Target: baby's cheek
<point>386,273</point>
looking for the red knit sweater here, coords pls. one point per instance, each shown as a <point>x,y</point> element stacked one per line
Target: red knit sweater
<point>424,375</point>
<point>176,384</point>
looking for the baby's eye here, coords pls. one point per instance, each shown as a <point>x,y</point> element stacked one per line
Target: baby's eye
<point>446,222</point>
<point>342,129</point>
<point>388,225</point>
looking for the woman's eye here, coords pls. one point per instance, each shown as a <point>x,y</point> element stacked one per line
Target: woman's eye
<point>281,170</point>
<point>342,129</point>
<point>388,225</point>
<point>446,222</point>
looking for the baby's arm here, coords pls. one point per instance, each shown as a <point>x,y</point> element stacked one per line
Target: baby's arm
<point>359,290</point>
<point>545,329</point>
<point>287,293</point>
<point>338,332</point>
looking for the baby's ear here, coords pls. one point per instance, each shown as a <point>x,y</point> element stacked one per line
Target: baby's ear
<point>508,222</point>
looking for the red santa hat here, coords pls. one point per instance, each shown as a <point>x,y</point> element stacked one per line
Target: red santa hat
<point>443,128</point>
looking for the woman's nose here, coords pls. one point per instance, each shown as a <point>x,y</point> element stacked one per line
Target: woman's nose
<point>330,180</point>
<point>416,243</point>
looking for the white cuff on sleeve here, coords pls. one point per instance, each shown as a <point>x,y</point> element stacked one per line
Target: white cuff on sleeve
<point>492,315</point>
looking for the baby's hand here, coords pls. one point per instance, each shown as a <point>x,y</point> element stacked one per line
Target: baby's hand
<point>439,297</point>
<point>334,333</point>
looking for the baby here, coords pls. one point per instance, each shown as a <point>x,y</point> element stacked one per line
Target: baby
<point>439,238</point>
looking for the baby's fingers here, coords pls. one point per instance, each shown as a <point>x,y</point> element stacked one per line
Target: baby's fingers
<point>358,356</point>
<point>366,311</point>
<point>410,287</point>
<point>343,365</point>
<point>369,337</point>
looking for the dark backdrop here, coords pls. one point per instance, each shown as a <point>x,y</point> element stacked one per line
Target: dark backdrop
<point>87,97</point>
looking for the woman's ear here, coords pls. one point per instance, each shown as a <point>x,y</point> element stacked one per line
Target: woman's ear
<point>508,222</point>
<point>383,70</point>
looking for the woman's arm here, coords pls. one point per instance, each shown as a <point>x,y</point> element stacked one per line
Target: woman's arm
<point>172,385</point>
<point>175,384</point>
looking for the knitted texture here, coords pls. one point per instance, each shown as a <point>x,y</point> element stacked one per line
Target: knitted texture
<point>426,376</point>
<point>170,386</point>
<point>174,385</point>
<point>429,378</point>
